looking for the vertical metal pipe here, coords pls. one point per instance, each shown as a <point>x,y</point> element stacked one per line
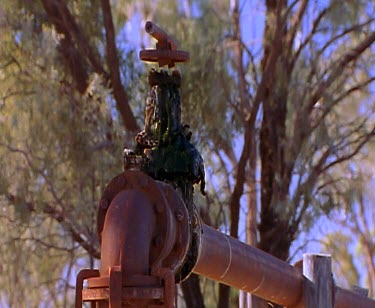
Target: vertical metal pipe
<point>127,234</point>
<point>229,261</point>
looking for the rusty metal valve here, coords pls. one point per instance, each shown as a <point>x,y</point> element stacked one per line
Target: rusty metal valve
<point>166,52</point>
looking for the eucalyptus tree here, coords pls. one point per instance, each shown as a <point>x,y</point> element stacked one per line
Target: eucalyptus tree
<point>349,239</point>
<point>316,60</point>
<point>63,113</point>
<point>66,90</point>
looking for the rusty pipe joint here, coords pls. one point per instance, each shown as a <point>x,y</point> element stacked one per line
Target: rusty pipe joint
<point>149,212</point>
<point>145,233</point>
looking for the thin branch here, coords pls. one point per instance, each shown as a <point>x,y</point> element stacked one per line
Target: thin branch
<point>338,67</point>
<point>17,93</point>
<point>61,218</point>
<point>291,6</point>
<point>338,99</point>
<point>224,168</point>
<point>330,182</point>
<point>71,26</point>
<point>253,64</point>
<point>294,24</point>
<point>342,34</point>
<point>32,167</point>
<point>365,140</point>
<point>119,93</point>
<point>308,38</point>
<point>336,70</point>
<point>234,203</point>
<point>238,59</point>
<point>58,215</point>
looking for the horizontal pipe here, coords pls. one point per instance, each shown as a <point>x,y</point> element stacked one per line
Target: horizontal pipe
<point>231,262</point>
<point>348,299</point>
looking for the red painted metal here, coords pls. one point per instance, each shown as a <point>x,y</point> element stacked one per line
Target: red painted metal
<point>138,293</point>
<point>166,52</point>
<point>229,261</point>
<point>143,227</point>
<point>81,277</point>
<point>225,259</point>
<point>348,299</point>
<point>160,35</point>
<point>131,214</point>
<point>144,230</point>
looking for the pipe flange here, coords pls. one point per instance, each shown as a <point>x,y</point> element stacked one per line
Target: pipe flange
<point>164,56</point>
<point>182,273</point>
<point>176,205</point>
<point>171,238</point>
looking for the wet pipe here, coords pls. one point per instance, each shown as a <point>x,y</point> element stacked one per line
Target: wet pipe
<point>150,231</point>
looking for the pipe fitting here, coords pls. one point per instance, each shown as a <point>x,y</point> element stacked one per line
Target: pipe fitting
<point>136,200</point>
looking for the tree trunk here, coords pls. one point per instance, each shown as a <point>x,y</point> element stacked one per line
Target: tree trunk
<point>192,292</point>
<point>247,300</point>
<point>273,226</point>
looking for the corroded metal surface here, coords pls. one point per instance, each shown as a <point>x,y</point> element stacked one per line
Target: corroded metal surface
<point>137,282</point>
<point>348,299</point>
<point>144,227</point>
<point>127,234</point>
<point>227,260</point>
<point>127,292</point>
<point>166,52</point>
<point>163,149</point>
<point>139,204</point>
<point>149,228</point>
<point>81,277</point>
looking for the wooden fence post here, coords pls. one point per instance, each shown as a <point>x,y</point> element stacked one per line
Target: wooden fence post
<point>317,268</point>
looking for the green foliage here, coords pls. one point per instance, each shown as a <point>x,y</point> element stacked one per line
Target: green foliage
<point>351,241</point>
<point>58,150</point>
<point>346,272</point>
<point>342,13</point>
<point>36,257</point>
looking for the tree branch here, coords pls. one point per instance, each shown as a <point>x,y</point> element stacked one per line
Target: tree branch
<point>338,67</point>
<point>294,24</point>
<point>65,23</point>
<point>356,150</point>
<point>342,34</point>
<point>71,55</point>
<point>338,99</point>
<point>82,43</point>
<point>61,217</point>
<point>308,38</point>
<point>119,93</point>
